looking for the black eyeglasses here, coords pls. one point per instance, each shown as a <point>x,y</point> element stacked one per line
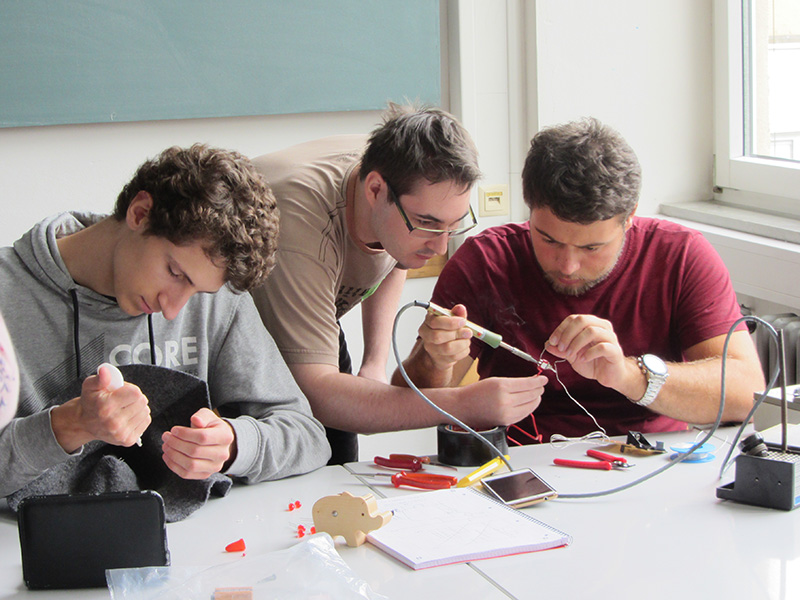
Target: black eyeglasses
<point>463,226</point>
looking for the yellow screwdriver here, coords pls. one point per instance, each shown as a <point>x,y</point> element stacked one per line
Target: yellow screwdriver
<point>481,472</point>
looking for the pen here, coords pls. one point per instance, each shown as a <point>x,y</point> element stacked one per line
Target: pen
<point>481,472</point>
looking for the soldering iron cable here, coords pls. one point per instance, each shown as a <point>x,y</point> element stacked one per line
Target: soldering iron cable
<point>683,456</point>
<point>680,457</point>
<point>419,392</point>
<point>775,372</point>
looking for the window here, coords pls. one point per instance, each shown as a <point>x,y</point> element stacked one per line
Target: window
<point>757,106</point>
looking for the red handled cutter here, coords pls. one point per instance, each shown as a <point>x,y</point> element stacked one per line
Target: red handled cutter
<point>605,462</point>
<point>426,481</point>
<point>407,462</point>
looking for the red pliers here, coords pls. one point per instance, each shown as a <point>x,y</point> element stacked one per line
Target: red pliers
<point>426,481</point>
<point>406,462</point>
<point>606,462</point>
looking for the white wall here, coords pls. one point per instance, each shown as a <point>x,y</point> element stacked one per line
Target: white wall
<point>512,66</point>
<point>643,68</point>
<point>44,170</point>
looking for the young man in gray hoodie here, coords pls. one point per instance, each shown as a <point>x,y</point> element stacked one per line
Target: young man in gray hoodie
<point>157,282</point>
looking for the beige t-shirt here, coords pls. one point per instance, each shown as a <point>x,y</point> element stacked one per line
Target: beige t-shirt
<point>321,271</point>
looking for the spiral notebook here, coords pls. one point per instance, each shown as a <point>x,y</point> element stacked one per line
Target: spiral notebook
<point>429,529</point>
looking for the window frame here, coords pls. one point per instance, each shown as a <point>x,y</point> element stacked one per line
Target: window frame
<point>755,183</point>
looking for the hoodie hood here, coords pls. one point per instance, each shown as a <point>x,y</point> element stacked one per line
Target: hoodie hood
<point>38,250</point>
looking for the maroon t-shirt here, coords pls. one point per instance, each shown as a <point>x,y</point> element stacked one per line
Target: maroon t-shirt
<point>669,291</point>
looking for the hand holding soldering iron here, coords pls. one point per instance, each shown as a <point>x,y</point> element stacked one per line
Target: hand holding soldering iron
<point>452,353</point>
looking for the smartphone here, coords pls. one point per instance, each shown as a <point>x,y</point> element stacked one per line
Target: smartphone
<point>68,541</point>
<point>519,488</point>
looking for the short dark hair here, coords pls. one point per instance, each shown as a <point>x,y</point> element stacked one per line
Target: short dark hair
<point>214,196</point>
<point>582,171</point>
<point>417,142</point>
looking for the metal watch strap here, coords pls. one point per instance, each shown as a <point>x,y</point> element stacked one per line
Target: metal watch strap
<point>654,384</point>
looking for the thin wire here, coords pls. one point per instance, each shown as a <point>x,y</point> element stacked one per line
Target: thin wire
<point>535,438</point>
<point>721,439</point>
<point>596,437</point>
<point>700,431</point>
<point>542,364</point>
<point>441,411</point>
<point>599,427</point>
<point>564,440</point>
<point>683,456</point>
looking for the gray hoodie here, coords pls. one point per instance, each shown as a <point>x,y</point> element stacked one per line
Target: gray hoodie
<point>218,338</point>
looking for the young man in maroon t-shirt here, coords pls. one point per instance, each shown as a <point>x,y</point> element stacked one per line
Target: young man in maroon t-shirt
<point>632,312</point>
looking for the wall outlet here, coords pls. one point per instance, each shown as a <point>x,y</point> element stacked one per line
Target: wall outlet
<point>493,200</point>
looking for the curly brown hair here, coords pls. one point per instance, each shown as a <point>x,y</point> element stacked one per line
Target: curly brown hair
<point>213,195</point>
<point>583,171</point>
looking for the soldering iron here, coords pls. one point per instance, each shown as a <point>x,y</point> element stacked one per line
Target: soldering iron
<point>491,338</point>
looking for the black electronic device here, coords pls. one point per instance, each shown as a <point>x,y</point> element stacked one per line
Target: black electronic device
<point>68,541</point>
<point>767,474</point>
<point>771,480</point>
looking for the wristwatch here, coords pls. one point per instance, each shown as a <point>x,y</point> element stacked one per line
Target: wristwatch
<point>656,372</point>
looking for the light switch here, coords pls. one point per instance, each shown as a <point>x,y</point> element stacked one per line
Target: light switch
<point>493,200</point>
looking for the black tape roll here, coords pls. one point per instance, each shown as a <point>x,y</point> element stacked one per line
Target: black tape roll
<point>461,449</point>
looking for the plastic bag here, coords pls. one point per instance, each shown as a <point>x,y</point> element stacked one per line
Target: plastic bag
<point>309,569</point>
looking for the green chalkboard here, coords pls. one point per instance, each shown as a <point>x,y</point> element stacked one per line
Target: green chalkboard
<point>99,61</point>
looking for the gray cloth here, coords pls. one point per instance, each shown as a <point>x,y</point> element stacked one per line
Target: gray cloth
<point>173,398</point>
<point>218,338</point>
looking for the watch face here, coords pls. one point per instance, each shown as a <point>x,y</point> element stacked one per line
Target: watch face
<point>654,364</point>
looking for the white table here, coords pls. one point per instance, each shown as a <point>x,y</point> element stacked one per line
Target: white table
<point>259,514</point>
<point>667,538</point>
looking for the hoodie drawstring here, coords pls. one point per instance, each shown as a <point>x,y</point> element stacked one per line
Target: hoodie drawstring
<point>76,327</point>
<point>152,338</point>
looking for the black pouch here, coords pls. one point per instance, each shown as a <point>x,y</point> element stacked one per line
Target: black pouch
<point>68,541</point>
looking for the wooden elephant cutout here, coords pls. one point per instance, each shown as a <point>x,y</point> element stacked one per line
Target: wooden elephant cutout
<point>352,517</point>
